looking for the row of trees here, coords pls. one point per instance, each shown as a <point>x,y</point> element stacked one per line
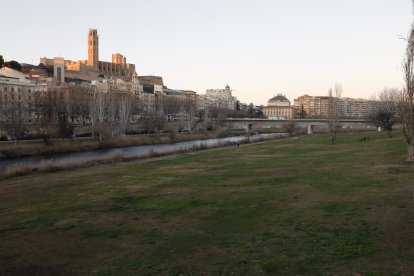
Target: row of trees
<point>53,112</point>
<point>334,112</point>
<point>57,109</point>
<point>398,106</point>
<point>108,114</point>
<point>385,112</point>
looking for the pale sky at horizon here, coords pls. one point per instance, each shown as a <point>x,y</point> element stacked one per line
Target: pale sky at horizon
<point>260,48</point>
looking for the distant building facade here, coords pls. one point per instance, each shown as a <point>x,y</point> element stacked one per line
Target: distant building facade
<point>318,106</point>
<point>355,108</point>
<point>17,97</point>
<point>278,107</point>
<point>219,98</point>
<point>152,84</point>
<point>314,106</point>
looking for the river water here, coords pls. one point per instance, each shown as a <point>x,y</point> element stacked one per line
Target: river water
<point>79,158</point>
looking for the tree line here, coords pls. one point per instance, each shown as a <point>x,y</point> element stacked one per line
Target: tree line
<point>56,110</point>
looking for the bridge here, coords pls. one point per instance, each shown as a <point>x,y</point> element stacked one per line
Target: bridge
<point>310,125</point>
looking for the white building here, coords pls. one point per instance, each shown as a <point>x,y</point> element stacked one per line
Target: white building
<point>17,97</point>
<point>278,107</point>
<point>220,98</point>
<point>137,87</point>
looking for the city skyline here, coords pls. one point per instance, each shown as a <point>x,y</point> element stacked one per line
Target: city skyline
<point>259,49</point>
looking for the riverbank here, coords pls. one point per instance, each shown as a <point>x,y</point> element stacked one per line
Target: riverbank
<point>56,162</point>
<point>32,148</point>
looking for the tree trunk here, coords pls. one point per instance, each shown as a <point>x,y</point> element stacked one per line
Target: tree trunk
<point>410,152</point>
<point>333,139</point>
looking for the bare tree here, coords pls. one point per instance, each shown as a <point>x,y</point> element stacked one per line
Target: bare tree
<point>219,113</point>
<point>137,107</point>
<point>190,110</point>
<point>45,119</point>
<point>148,118</point>
<point>171,105</point>
<point>290,127</point>
<point>206,118</point>
<point>112,114</point>
<point>406,103</point>
<point>385,113</point>
<point>93,113</point>
<point>181,117</point>
<point>15,112</point>
<point>334,112</point>
<point>153,116</point>
<point>124,108</point>
<point>98,105</point>
<point>159,120</point>
<point>83,97</point>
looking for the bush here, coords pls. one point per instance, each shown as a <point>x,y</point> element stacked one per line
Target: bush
<point>290,128</point>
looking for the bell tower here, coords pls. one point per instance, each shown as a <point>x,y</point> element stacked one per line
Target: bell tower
<point>93,48</point>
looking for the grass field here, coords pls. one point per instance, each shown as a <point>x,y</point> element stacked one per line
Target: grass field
<point>294,206</point>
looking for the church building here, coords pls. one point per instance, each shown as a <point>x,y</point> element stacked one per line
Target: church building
<point>92,68</point>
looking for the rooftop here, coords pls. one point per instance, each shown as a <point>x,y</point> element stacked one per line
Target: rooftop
<point>279,98</point>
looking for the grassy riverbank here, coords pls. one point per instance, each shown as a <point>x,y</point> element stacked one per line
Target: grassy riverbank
<point>35,148</point>
<point>294,206</point>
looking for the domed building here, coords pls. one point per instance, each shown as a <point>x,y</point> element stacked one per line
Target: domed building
<point>278,107</point>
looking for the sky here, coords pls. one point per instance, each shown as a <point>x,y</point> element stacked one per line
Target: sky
<point>259,48</point>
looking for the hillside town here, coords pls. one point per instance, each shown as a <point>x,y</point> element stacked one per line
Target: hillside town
<point>109,96</point>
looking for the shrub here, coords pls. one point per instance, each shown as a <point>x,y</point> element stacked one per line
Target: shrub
<point>290,128</point>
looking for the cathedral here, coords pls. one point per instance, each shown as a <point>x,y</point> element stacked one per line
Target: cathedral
<point>92,68</point>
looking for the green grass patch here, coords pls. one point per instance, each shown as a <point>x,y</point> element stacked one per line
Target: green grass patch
<point>287,207</point>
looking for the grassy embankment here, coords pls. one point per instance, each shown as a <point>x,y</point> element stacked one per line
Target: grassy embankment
<point>295,206</point>
<point>37,147</point>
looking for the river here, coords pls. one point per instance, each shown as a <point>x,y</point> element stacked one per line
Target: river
<point>68,159</point>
